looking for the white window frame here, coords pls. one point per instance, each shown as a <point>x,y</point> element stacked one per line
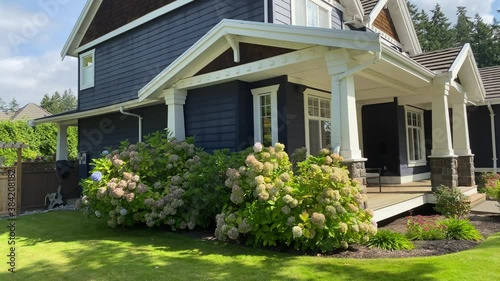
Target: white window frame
<point>320,3</point>
<point>91,83</point>
<point>317,94</point>
<point>257,124</point>
<point>420,113</point>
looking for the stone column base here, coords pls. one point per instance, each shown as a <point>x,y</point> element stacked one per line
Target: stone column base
<point>357,172</point>
<point>444,172</point>
<point>465,171</point>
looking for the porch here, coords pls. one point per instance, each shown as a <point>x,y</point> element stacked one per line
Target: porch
<point>396,199</point>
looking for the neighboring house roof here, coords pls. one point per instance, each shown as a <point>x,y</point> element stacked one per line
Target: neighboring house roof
<point>368,5</point>
<point>438,61</point>
<point>491,81</point>
<point>27,112</point>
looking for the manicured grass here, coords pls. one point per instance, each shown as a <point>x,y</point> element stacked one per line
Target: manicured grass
<point>67,246</point>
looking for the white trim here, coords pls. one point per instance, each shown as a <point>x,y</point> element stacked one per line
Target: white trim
<point>420,114</point>
<point>265,33</point>
<point>90,8</point>
<point>398,208</point>
<point>354,9</point>
<point>317,94</point>
<point>376,10</point>
<point>91,83</point>
<point>70,119</point>
<point>406,63</point>
<point>484,170</point>
<point>140,21</point>
<point>257,93</point>
<point>401,179</point>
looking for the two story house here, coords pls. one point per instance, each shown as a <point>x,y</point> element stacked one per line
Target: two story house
<point>349,74</point>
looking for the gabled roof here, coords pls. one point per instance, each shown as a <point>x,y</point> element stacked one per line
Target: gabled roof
<point>491,81</point>
<point>458,63</point>
<point>74,43</point>
<point>438,61</point>
<point>219,38</point>
<point>27,112</point>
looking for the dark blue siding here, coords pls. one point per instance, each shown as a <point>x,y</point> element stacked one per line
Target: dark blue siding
<point>381,143</point>
<point>124,64</point>
<point>293,113</point>
<point>337,19</point>
<point>480,134</point>
<point>220,116</point>
<point>100,132</point>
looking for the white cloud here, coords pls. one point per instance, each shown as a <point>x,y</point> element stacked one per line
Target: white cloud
<point>449,7</point>
<point>28,78</point>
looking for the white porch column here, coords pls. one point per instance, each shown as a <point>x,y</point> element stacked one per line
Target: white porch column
<point>359,111</point>
<point>441,132</point>
<point>461,144</point>
<point>175,100</point>
<point>343,107</point>
<point>62,142</point>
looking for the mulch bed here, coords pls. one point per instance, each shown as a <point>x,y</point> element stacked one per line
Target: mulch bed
<point>487,224</point>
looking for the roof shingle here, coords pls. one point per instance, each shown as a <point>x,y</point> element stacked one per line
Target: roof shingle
<point>438,61</point>
<point>368,5</point>
<point>491,81</point>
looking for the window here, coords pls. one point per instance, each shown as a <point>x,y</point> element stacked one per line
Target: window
<point>265,102</point>
<point>415,136</point>
<point>317,120</point>
<point>311,13</point>
<point>87,70</point>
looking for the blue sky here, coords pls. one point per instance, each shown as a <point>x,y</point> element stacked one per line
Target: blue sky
<point>33,32</point>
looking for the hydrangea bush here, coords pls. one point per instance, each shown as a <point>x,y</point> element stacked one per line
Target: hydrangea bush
<point>145,183</point>
<point>319,208</point>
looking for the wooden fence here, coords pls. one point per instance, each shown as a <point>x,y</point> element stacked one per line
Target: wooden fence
<point>38,179</point>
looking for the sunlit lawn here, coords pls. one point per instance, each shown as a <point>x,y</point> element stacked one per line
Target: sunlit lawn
<point>67,246</point>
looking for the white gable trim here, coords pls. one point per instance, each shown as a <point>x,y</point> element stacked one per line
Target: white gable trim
<point>355,11</point>
<point>471,79</point>
<point>260,33</point>
<point>89,17</point>
<point>376,10</point>
<point>81,26</point>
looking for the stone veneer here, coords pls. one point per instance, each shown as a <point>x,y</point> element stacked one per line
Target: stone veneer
<point>465,171</point>
<point>444,172</point>
<point>357,172</point>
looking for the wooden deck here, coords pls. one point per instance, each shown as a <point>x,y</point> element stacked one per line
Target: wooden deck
<point>397,199</point>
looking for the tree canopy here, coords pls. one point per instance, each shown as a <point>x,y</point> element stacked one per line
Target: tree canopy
<point>435,32</point>
<point>57,104</point>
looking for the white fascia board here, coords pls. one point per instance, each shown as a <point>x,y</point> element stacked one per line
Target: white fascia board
<point>297,34</point>
<point>142,20</point>
<point>354,8</point>
<point>83,20</point>
<point>473,83</point>
<point>376,10</point>
<point>407,63</point>
<point>94,112</point>
<point>410,29</point>
<point>459,61</point>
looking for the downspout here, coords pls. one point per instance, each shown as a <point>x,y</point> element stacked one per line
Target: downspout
<point>266,11</point>
<point>493,137</point>
<point>134,115</point>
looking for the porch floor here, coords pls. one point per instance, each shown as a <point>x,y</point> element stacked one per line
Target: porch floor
<point>396,199</point>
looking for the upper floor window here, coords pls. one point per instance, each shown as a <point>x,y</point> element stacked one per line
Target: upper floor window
<point>265,105</point>
<point>87,70</point>
<point>415,136</point>
<point>314,13</point>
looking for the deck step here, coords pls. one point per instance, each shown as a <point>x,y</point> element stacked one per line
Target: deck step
<point>476,199</point>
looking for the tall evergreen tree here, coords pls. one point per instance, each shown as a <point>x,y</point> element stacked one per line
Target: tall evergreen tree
<point>13,105</point>
<point>464,27</point>
<point>439,34</point>
<point>2,105</point>
<point>421,23</point>
<point>57,104</point>
<point>483,43</point>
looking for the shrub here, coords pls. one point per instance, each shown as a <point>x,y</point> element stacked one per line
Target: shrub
<point>148,183</point>
<point>319,208</point>
<point>461,230</point>
<point>493,189</point>
<point>390,240</point>
<point>451,202</point>
<point>424,228</point>
<point>488,180</point>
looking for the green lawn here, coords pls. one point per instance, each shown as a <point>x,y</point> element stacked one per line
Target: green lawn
<point>67,246</point>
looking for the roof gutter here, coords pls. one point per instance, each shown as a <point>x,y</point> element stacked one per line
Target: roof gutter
<point>122,111</point>
<point>493,137</point>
